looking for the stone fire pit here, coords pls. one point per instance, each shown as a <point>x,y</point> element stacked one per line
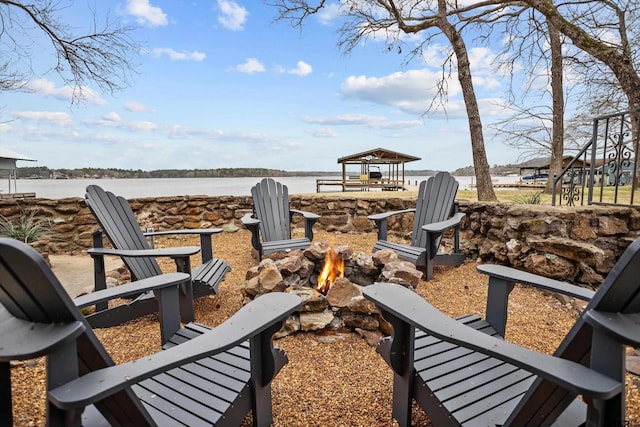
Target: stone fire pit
<point>343,308</point>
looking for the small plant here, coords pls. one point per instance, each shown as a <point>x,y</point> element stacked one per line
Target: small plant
<point>27,229</point>
<point>529,199</point>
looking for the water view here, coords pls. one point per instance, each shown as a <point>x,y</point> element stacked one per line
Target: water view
<point>155,187</point>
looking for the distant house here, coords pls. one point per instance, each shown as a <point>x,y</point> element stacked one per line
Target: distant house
<point>538,169</point>
<point>8,160</point>
<point>542,165</point>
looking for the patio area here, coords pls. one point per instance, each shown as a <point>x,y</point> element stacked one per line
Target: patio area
<point>332,379</point>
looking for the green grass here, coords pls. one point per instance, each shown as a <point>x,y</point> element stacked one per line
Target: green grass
<point>525,196</point>
<point>512,195</point>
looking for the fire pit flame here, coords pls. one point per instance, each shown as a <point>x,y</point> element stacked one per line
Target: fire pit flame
<point>332,269</point>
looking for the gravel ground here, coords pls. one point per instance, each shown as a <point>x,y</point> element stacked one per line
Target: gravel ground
<point>335,380</point>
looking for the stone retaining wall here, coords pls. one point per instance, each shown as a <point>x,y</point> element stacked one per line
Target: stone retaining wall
<point>578,244</point>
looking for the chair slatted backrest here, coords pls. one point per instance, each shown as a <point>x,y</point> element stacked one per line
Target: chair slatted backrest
<point>619,293</point>
<point>271,206</point>
<point>30,291</point>
<point>119,223</point>
<point>434,203</point>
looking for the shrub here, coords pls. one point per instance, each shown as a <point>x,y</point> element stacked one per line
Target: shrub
<point>529,199</point>
<point>27,229</point>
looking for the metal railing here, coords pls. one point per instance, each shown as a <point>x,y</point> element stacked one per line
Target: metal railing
<point>606,168</point>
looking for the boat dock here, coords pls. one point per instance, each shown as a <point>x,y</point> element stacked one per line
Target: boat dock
<point>360,185</point>
<point>519,185</point>
<point>4,196</point>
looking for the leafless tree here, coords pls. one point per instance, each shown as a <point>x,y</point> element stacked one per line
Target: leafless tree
<point>607,31</point>
<point>429,18</point>
<point>536,126</point>
<point>600,29</point>
<point>557,96</point>
<point>580,21</point>
<point>101,54</point>
<point>611,25</point>
<point>601,92</point>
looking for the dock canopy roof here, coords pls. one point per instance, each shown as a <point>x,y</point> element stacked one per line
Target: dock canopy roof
<point>378,156</point>
<point>8,160</point>
<point>8,154</point>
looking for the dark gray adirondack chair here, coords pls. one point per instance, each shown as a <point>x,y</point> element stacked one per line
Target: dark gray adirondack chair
<point>272,217</point>
<point>435,212</point>
<point>463,373</point>
<point>118,222</point>
<point>202,377</point>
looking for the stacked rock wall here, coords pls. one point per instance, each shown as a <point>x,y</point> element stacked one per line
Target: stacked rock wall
<point>574,243</point>
<point>578,244</point>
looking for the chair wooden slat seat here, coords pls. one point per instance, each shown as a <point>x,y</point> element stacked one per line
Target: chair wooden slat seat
<point>461,372</point>
<point>202,376</point>
<point>120,225</point>
<point>206,277</point>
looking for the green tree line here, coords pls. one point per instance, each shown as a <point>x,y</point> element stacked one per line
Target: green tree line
<point>43,172</point>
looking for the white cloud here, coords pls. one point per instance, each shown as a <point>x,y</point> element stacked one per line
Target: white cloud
<point>146,13</point>
<point>487,82</point>
<point>368,120</point>
<point>232,16</point>
<point>344,119</point>
<point>54,117</point>
<point>411,91</point>
<point>302,69</point>
<point>44,87</point>
<point>108,122</point>
<point>481,58</point>
<point>401,124</point>
<point>414,91</point>
<point>177,56</point>
<point>324,133</point>
<point>329,13</point>
<point>136,107</point>
<point>112,117</point>
<point>250,66</point>
<point>142,126</point>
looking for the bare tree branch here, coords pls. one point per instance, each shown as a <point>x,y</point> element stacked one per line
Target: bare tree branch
<point>102,56</point>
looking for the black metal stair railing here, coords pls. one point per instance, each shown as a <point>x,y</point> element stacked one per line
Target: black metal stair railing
<point>605,170</point>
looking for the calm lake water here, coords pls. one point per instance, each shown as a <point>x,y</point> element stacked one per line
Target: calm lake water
<point>154,187</point>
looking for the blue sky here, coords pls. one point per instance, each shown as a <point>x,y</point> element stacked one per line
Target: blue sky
<point>220,84</point>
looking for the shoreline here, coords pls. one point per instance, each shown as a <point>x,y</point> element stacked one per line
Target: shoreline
<point>133,188</point>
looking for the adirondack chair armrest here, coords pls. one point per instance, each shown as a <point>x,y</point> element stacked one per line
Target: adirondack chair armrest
<point>165,288</point>
<point>439,227</point>
<point>512,275</point>
<point>501,282</point>
<point>306,214</point>
<point>22,340</point>
<point>177,252</point>
<point>205,238</point>
<point>621,327</point>
<point>250,322</point>
<point>310,218</point>
<point>133,288</point>
<point>253,225</point>
<point>205,231</point>
<point>411,309</point>
<point>381,220</point>
<point>249,221</point>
